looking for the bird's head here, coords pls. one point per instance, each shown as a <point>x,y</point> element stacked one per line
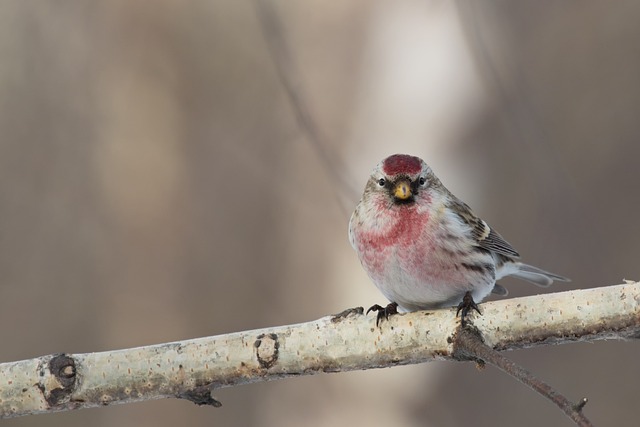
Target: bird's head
<point>401,178</point>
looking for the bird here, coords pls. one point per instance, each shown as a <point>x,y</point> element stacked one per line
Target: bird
<point>424,248</point>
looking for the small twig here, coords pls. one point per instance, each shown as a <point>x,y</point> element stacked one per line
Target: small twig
<point>468,345</point>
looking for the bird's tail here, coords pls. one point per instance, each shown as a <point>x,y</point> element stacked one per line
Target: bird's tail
<point>536,275</point>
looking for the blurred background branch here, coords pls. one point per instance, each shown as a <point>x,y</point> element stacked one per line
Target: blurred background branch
<point>276,44</point>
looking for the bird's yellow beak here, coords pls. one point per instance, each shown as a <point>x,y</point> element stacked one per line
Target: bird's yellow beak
<point>402,191</point>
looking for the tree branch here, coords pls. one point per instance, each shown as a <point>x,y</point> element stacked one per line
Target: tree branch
<point>192,369</point>
<point>468,345</point>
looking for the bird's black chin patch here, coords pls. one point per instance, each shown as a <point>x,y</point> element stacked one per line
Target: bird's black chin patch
<point>409,200</point>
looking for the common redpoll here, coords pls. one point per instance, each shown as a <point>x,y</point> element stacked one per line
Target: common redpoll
<point>424,248</point>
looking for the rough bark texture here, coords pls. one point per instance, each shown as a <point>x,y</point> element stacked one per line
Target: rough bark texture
<point>192,369</point>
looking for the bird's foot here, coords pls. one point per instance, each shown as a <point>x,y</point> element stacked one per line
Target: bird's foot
<point>346,313</point>
<point>384,312</point>
<point>466,306</point>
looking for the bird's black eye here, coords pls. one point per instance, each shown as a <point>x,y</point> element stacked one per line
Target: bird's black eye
<point>422,180</point>
<point>381,182</point>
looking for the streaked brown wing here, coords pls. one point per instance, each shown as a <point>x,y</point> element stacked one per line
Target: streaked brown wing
<point>484,235</point>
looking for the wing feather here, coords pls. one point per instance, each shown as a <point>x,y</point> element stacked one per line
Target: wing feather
<point>483,235</point>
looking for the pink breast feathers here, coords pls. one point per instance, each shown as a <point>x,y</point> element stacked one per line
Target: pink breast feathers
<point>397,239</point>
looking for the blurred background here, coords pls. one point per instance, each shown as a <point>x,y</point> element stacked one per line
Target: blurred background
<point>156,184</point>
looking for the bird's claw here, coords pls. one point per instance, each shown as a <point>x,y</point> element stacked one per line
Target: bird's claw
<point>466,306</point>
<point>384,312</point>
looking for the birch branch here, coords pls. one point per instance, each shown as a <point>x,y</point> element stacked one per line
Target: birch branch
<point>192,369</point>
